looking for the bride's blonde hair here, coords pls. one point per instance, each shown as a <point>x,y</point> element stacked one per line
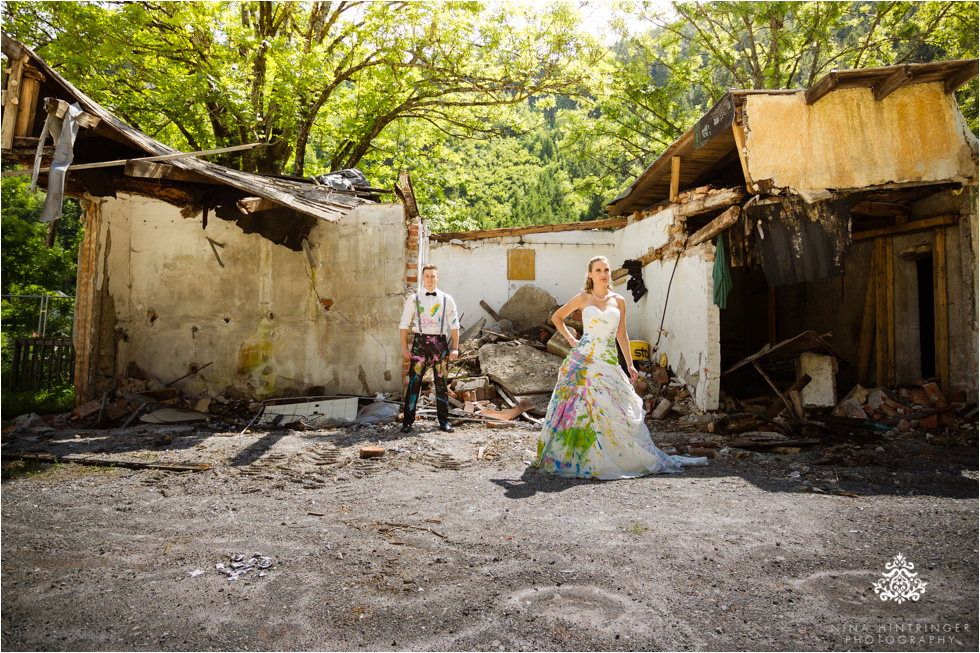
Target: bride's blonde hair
<point>588,280</point>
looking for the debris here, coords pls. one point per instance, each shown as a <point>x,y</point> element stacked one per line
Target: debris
<point>372,452</point>
<point>662,409</point>
<point>239,565</point>
<point>528,307</point>
<point>173,416</point>
<point>519,368</point>
<point>104,462</point>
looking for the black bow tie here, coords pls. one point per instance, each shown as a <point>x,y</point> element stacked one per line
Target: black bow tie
<point>430,293</point>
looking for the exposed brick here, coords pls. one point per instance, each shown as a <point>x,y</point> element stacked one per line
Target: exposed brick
<point>934,394</point>
<point>411,266</point>
<point>929,423</point>
<point>946,417</point>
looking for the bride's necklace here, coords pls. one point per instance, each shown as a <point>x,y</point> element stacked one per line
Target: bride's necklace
<point>597,297</point>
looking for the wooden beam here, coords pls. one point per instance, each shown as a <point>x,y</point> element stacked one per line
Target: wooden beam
<point>59,108</point>
<point>675,177</point>
<point>11,103</point>
<point>716,226</point>
<point>890,309</point>
<point>29,91</point>
<point>614,223</point>
<point>892,83</point>
<point>255,204</point>
<point>961,77</point>
<point>938,222</point>
<point>822,87</point>
<point>941,304</point>
<point>155,170</point>
<point>719,199</point>
<point>880,209</point>
<point>122,162</point>
<point>881,317</point>
<point>739,132</point>
<point>11,48</point>
<point>867,325</point>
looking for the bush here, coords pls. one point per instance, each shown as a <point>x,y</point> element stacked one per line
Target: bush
<point>42,402</point>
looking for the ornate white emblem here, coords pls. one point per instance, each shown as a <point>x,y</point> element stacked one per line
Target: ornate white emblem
<point>899,582</point>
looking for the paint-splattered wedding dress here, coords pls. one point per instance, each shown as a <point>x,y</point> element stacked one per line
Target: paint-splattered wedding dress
<point>594,425</point>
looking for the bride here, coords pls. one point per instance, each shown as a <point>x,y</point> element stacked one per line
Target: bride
<point>594,425</point>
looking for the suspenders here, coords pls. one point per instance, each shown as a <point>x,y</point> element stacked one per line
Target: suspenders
<point>442,319</point>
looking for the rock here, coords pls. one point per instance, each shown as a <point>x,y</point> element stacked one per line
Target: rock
<point>473,331</point>
<point>529,307</point>
<point>558,346</point>
<point>662,409</point>
<point>520,369</point>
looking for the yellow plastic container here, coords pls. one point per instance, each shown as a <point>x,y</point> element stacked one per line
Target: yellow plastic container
<point>640,350</point>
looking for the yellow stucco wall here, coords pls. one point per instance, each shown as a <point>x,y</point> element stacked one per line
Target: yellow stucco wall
<point>849,140</point>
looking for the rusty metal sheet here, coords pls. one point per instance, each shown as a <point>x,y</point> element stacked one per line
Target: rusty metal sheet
<point>800,242</point>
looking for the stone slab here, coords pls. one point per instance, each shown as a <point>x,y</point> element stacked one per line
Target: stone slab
<point>520,369</point>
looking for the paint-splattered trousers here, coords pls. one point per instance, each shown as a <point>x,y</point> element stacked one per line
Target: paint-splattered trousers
<point>427,351</point>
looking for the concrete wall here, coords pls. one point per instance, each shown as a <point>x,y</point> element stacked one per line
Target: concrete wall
<point>691,325</point>
<point>257,314</point>
<point>477,269</point>
<point>849,140</point>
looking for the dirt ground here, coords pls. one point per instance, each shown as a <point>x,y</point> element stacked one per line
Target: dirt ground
<point>435,547</point>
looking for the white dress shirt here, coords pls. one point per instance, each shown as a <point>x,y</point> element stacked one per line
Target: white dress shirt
<point>432,311</point>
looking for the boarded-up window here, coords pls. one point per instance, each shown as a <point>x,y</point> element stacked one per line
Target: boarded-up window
<point>520,264</point>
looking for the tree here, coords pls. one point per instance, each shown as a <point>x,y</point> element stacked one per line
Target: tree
<point>326,77</point>
<point>659,80</point>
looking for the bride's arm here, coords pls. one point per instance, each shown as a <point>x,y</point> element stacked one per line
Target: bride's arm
<point>558,318</point>
<point>623,339</point>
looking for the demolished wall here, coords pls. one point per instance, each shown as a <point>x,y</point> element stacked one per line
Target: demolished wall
<point>691,326</point>
<point>269,322</point>
<point>475,270</point>
<point>849,140</point>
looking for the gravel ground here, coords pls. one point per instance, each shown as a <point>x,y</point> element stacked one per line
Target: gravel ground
<point>437,547</point>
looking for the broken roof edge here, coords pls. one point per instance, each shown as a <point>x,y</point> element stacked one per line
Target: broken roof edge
<point>482,234</point>
<point>953,74</point>
<point>330,209</point>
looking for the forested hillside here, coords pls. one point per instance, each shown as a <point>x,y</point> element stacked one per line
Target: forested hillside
<point>505,114</point>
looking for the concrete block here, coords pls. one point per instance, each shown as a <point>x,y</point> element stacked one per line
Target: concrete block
<point>662,409</point>
<point>821,391</point>
<point>520,369</point>
<point>529,307</point>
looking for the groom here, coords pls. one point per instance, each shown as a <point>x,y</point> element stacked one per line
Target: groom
<point>429,314</point>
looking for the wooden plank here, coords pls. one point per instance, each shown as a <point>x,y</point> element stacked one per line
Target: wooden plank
<point>481,234</point>
<point>881,317</point>
<point>963,76</point>
<point>11,48</point>
<point>739,131</point>
<point>712,201</point>
<point>675,177</point>
<point>941,303</point>
<point>159,170</point>
<point>890,309</point>
<point>29,90</point>
<point>520,264</point>
<point>937,222</point>
<point>779,404</point>
<point>867,325</point>
<point>822,87</point>
<point>104,462</point>
<point>772,385</point>
<point>881,209</point>
<point>11,103</point>
<point>122,162</point>
<point>892,83</point>
<point>716,226</point>
<point>489,310</point>
<point>249,205</point>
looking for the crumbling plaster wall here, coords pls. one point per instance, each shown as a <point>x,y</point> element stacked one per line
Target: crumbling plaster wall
<point>691,322</point>
<point>266,319</point>
<point>477,269</point>
<point>847,139</point>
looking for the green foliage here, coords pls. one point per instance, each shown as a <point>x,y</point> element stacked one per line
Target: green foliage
<point>42,402</point>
